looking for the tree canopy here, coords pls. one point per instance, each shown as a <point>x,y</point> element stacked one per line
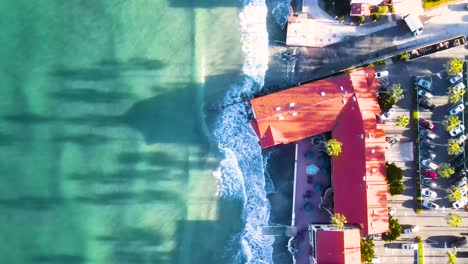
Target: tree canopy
<point>402,121</point>
<point>456,97</point>
<point>454,220</point>
<point>454,193</point>
<point>450,122</point>
<point>333,147</point>
<point>394,179</point>
<point>452,258</point>
<point>454,66</point>
<point>338,220</point>
<point>445,170</point>
<point>367,250</point>
<point>453,147</point>
<point>395,230</point>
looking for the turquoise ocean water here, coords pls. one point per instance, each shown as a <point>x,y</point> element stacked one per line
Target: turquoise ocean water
<point>113,147</point>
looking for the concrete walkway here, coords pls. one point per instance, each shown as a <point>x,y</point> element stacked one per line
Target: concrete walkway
<point>319,29</point>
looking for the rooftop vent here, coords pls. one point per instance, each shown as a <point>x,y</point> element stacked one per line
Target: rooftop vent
<point>322,93</point>
<point>354,98</point>
<point>362,136</point>
<point>372,151</point>
<point>294,113</point>
<point>341,87</point>
<point>364,178</point>
<point>292,104</point>
<point>278,108</point>
<point>343,100</point>
<point>369,135</point>
<point>280,117</point>
<point>374,170</point>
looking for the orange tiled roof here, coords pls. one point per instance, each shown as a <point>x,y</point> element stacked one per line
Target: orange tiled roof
<point>338,246</point>
<point>347,106</point>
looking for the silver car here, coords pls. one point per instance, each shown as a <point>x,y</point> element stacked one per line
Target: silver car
<point>429,164</point>
<point>456,78</point>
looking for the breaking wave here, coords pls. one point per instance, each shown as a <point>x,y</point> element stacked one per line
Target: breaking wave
<point>241,174</point>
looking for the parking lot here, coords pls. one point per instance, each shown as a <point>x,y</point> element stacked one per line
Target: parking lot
<point>436,233</point>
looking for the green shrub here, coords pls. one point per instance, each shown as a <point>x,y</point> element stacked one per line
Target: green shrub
<point>419,211</point>
<point>394,232</point>
<point>367,250</point>
<point>375,16</point>
<point>383,9</point>
<point>392,9</point>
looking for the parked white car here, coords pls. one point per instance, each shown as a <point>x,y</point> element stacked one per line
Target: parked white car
<point>409,246</point>
<point>457,130</point>
<point>460,139</point>
<point>381,74</point>
<point>386,116</point>
<point>430,205</point>
<point>429,164</point>
<point>428,193</point>
<point>460,203</point>
<point>411,229</point>
<point>456,109</point>
<point>425,93</point>
<point>456,78</point>
<point>392,211</point>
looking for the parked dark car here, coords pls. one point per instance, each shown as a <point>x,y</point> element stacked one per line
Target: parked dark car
<point>457,176</point>
<point>427,134</point>
<point>426,143</point>
<point>427,153</point>
<point>426,104</point>
<point>460,242</point>
<point>458,163</point>
<point>457,157</point>
<point>429,183</point>
<point>460,167</point>
<point>426,124</point>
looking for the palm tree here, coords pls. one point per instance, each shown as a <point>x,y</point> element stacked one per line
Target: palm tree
<point>453,147</point>
<point>333,147</point>
<point>454,193</point>
<point>450,122</point>
<point>396,91</point>
<point>338,221</point>
<point>454,220</point>
<point>454,66</point>
<point>452,258</point>
<point>445,170</point>
<point>456,97</point>
<point>402,121</point>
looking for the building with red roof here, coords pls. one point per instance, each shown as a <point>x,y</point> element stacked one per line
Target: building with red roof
<point>347,106</point>
<point>332,246</point>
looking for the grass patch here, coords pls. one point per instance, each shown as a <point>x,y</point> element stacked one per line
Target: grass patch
<point>431,3</point>
<point>420,252</point>
<point>417,174</point>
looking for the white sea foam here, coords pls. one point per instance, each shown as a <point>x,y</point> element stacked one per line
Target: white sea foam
<point>243,168</point>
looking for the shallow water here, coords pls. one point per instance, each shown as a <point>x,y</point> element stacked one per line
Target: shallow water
<point>113,119</point>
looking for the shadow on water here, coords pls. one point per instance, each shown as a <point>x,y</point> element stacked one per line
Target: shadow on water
<point>10,139</point>
<point>90,95</point>
<point>210,242</point>
<point>153,157</point>
<point>123,176</point>
<point>57,259</point>
<point>83,139</point>
<point>31,203</point>
<point>107,69</point>
<point>169,117</point>
<point>205,3</point>
<point>136,245</point>
<point>127,197</point>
